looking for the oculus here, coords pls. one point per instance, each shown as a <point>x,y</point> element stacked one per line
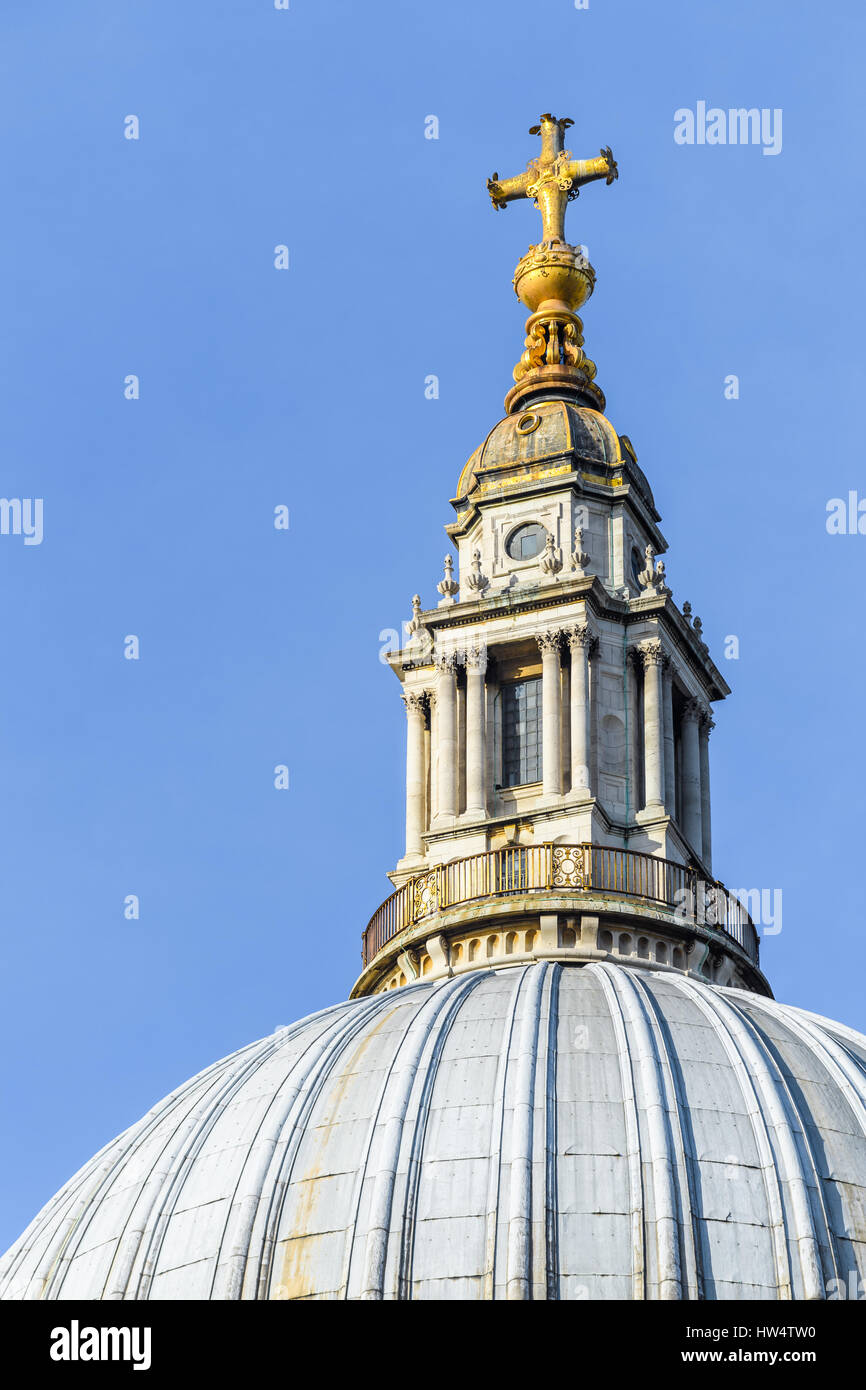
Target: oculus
<point>527,423</point>
<point>526,542</point>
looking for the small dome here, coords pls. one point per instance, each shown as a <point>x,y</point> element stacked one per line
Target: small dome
<point>546,429</point>
<point>544,1131</point>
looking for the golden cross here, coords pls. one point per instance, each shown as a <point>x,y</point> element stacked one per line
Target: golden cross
<point>553,178</point>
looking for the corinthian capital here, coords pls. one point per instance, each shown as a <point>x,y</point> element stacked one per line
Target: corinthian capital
<point>708,723</point>
<point>476,658</point>
<point>651,652</point>
<point>415,701</point>
<point>695,709</point>
<point>582,635</point>
<point>446,661</point>
<point>548,641</point>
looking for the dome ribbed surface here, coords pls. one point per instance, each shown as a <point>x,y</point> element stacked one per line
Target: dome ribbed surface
<point>563,429</point>
<point>546,1131</point>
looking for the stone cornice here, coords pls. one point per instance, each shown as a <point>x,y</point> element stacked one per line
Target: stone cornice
<point>559,471</point>
<point>542,598</point>
<point>599,603</point>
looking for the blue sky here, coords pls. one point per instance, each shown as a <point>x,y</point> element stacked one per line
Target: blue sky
<point>306,387</point>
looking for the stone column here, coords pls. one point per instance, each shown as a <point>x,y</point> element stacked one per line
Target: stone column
<point>551,691</point>
<point>565,718</point>
<point>476,741</point>
<point>634,672</point>
<point>653,728</point>
<point>668,724</point>
<point>415,703</point>
<point>433,744</point>
<point>707,724</point>
<point>446,730</point>
<point>595,710</point>
<point>581,641</point>
<point>691,778</point>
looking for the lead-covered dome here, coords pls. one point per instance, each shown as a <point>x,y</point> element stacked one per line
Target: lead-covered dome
<point>548,430</point>
<point>544,1131</point>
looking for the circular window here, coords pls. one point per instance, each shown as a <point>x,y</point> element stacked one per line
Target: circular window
<point>526,542</point>
<point>527,423</point>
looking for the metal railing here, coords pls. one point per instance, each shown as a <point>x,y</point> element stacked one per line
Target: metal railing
<point>522,868</point>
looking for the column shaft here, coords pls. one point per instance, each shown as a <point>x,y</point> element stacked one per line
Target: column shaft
<point>632,751</point>
<point>551,693</point>
<point>415,773</point>
<point>691,780</point>
<point>706,830</point>
<point>446,727</point>
<point>653,732</point>
<point>668,722</point>
<point>476,740</point>
<point>581,642</point>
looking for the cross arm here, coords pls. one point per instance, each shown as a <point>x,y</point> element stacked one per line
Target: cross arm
<point>582,171</point>
<point>504,191</point>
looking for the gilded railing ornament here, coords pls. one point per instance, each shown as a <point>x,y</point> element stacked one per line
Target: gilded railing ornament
<point>425,894</point>
<point>554,278</point>
<point>569,869</point>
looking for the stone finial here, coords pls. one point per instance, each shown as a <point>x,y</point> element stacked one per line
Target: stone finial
<point>687,611</point>
<point>652,576</point>
<point>698,630</point>
<point>647,573</point>
<point>448,587</point>
<point>579,557</point>
<point>419,639</point>
<point>475,580</point>
<point>415,625</point>
<point>551,560</point>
